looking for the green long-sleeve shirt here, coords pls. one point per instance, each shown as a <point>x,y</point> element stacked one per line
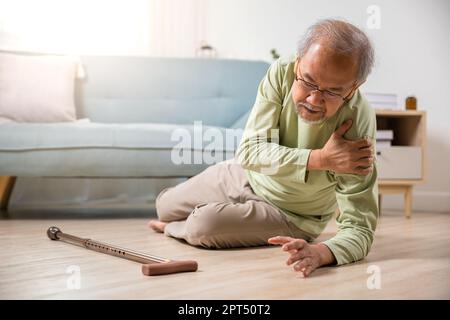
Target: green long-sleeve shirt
<point>277,166</point>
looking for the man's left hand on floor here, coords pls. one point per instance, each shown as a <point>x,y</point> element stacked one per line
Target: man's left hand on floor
<point>305,257</point>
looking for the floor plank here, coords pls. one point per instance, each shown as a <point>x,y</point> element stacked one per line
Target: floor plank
<point>412,255</point>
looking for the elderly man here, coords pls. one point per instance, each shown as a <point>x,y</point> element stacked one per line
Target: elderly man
<point>306,150</point>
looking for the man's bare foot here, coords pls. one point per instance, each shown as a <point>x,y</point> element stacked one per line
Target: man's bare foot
<point>157,225</point>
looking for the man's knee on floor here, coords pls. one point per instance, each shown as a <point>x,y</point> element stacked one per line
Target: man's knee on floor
<point>203,227</point>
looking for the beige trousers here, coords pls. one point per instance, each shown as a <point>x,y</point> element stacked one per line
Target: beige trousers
<point>218,209</point>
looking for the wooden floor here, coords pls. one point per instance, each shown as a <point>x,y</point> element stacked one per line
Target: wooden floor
<point>413,257</point>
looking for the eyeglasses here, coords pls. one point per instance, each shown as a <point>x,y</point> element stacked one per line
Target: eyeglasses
<point>326,94</point>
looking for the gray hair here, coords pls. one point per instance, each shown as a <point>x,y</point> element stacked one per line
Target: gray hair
<point>345,39</point>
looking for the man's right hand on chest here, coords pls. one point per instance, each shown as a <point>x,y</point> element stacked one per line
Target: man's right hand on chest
<point>343,156</point>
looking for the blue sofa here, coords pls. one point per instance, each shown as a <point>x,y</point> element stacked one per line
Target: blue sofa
<point>139,108</point>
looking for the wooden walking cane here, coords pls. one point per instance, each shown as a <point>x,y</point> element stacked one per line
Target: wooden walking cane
<point>152,265</point>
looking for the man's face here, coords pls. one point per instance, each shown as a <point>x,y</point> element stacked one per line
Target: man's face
<point>322,67</point>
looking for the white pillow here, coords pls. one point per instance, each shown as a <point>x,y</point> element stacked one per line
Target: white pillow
<point>37,88</point>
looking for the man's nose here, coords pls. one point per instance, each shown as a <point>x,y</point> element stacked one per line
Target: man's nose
<point>315,98</point>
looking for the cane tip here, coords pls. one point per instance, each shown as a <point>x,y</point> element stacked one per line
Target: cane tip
<point>52,233</point>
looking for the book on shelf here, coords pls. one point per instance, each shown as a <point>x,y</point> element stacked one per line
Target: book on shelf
<point>382,100</point>
<point>385,135</point>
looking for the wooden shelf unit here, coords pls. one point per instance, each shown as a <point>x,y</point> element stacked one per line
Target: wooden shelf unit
<point>409,127</point>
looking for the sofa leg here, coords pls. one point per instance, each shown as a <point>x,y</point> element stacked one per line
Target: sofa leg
<point>6,187</point>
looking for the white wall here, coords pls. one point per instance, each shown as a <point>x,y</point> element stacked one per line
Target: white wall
<point>103,27</point>
<point>75,26</point>
<point>412,50</point>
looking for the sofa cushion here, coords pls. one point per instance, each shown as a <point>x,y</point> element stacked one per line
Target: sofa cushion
<point>168,90</point>
<point>95,149</point>
<point>37,88</point>
<point>16,136</point>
